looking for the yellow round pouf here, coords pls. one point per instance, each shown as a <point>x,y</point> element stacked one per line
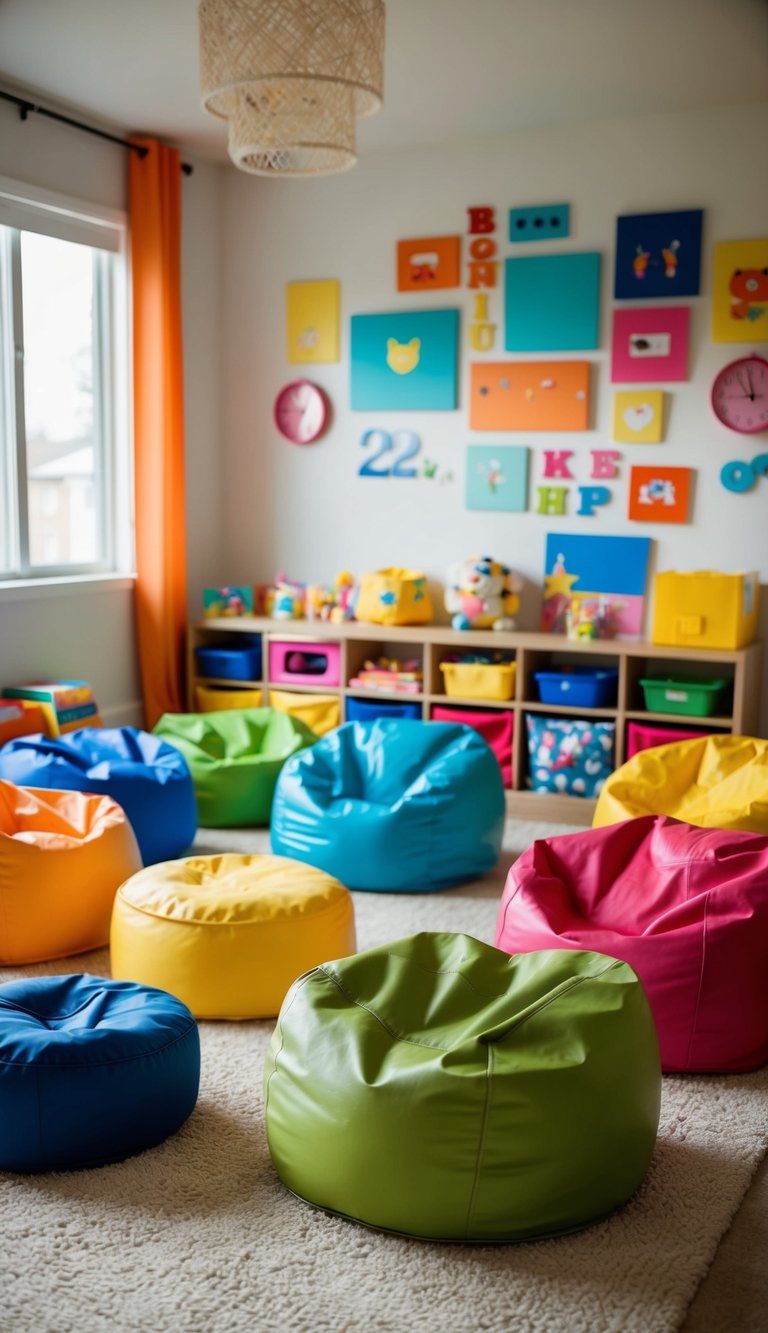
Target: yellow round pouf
<point>229,934</point>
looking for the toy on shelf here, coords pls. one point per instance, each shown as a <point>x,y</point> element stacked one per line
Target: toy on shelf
<point>344,594</point>
<point>591,618</point>
<point>390,675</point>
<point>229,601</point>
<point>286,600</point>
<point>482,594</point>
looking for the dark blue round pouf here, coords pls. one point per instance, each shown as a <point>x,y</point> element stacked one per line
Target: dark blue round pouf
<point>392,806</point>
<point>145,775</point>
<point>91,1071</point>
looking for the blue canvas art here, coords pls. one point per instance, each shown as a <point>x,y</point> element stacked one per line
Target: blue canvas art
<point>658,254</point>
<point>608,571</point>
<point>543,222</point>
<point>551,303</point>
<point>497,477</point>
<point>405,361</point>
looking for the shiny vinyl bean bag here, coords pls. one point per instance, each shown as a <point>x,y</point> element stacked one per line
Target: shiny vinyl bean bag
<point>63,855</point>
<point>234,757</point>
<point>712,781</point>
<point>686,907</point>
<point>228,934</point>
<point>393,806</point>
<point>438,1088</point>
<point>91,1071</point>
<point>147,777</point>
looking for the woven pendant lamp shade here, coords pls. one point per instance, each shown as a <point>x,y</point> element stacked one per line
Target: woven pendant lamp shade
<point>291,76</point>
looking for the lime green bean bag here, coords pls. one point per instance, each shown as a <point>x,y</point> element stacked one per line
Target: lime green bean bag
<point>234,757</point>
<point>439,1088</point>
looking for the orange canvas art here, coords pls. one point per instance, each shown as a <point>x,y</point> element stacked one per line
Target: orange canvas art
<point>659,494</point>
<point>427,263</point>
<point>529,395</point>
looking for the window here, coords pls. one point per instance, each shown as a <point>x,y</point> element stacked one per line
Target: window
<point>65,495</point>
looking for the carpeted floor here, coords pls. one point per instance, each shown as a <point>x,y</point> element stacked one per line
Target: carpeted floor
<point>199,1234</point>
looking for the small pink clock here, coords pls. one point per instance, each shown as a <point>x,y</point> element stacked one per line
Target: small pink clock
<point>301,411</point>
<point>740,395</point>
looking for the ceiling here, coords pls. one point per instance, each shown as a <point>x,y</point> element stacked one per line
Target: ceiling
<point>456,71</point>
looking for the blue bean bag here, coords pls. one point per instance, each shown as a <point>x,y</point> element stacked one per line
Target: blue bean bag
<point>91,1071</point>
<point>392,805</point>
<point>145,775</point>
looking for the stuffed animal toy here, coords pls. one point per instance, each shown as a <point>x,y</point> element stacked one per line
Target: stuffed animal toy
<point>482,594</point>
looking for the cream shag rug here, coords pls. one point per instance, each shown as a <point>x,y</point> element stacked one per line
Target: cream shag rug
<point>199,1234</point>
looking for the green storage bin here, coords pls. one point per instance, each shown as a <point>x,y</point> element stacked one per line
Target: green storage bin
<point>683,695</point>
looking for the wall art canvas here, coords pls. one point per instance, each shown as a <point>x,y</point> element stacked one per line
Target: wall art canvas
<point>406,361</point>
<point>551,303</point>
<point>427,263</point>
<point>638,416</point>
<point>312,321</point>
<point>529,395</point>
<point>740,292</point>
<point>540,222</point>
<point>497,477</point>
<point>610,570</point>
<point>650,343</point>
<point>658,254</point>
<point>659,494</point>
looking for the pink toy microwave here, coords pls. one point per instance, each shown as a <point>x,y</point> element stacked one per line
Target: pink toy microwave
<point>302,662</point>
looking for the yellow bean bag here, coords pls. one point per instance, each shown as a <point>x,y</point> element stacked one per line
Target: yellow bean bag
<point>320,712</point>
<point>712,781</point>
<point>63,855</point>
<point>229,934</point>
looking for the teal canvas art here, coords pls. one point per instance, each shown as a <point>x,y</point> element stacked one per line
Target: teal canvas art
<point>406,361</point>
<point>551,303</point>
<point>497,477</point>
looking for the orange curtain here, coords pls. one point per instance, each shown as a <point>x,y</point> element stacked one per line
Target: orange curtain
<point>154,194</point>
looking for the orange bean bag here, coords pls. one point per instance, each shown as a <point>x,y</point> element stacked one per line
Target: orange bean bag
<point>63,856</point>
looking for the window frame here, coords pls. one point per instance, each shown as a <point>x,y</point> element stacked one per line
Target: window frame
<point>28,208</point>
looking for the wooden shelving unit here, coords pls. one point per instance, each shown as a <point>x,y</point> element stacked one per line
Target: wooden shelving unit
<point>431,644</point>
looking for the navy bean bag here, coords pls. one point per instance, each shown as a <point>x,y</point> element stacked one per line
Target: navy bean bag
<point>392,805</point>
<point>91,1071</point>
<point>145,775</point>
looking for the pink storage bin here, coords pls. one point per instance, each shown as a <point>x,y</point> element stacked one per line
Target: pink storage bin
<point>497,728</point>
<point>303,662</point>
<point>642,736</point>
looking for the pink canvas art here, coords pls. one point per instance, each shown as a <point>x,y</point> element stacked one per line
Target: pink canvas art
<point>649,344</point>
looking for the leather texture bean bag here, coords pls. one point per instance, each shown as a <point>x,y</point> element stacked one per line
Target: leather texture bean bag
<point>63,856</point>
<point>393,805</point>
<point>229,934</point>
<point>438,1088</point>
<point>147,777</point>
<point>686,907</point>
<point>712,781</point>
<point>234,758</point>
<point>91,1071</point>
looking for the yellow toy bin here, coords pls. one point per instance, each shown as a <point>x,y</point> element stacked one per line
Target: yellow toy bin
<point>321,712</point>
<point>394,597</point>
<point>211,699</point>
<point>705,609</point>
<point>479,680</point>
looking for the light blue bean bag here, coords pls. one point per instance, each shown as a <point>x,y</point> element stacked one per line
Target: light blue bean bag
<point>392,805</point>
<point>145,775</point>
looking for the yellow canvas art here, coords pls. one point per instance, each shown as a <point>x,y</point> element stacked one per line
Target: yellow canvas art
<point>740,292</point>
<point>312,321</point>
<point>638,416</point>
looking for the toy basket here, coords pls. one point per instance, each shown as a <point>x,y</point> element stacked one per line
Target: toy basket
<point>479,680</point>
<point>689,698</point>
<point>394,597</point>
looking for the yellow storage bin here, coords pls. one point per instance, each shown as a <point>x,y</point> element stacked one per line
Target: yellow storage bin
<point>705,609</point>
<point>321,712</point>
<point>479,680</point>
<point>211,699</point>
<point>394,597</point>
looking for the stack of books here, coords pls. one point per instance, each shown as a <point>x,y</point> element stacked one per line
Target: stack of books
<point>66,705</point>
<point>389,675</point>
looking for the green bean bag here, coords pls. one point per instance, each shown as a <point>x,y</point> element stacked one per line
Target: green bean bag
<point>234,757</point>
<point>438,1088</point>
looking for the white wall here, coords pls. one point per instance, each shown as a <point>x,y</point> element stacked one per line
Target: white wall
<point>305,510</point>
<point>89,630</point>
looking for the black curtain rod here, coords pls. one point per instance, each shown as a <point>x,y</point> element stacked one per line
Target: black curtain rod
<point>25,106</point>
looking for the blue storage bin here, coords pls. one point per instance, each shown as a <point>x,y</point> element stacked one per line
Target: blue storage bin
<point>367,710</point>
<point>578,687</point>
<point>228,662</point>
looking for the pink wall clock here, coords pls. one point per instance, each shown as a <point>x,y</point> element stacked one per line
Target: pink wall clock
<point>301,411</point>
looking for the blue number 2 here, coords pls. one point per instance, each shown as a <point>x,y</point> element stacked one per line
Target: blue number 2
<point>407,440</point>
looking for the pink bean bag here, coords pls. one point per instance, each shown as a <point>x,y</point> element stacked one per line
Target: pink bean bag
<point>686,907</point>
